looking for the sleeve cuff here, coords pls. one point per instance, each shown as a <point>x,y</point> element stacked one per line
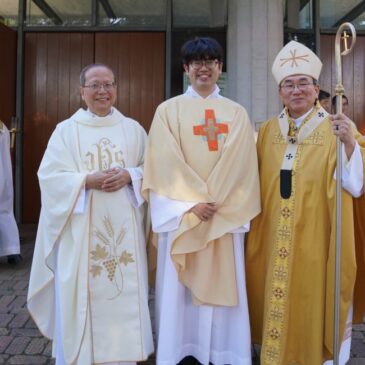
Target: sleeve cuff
<point>353,172</point>
<point>134,188</point>
<point>166,214</point>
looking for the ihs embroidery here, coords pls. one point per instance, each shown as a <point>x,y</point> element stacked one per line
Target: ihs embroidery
<point>103,156</point>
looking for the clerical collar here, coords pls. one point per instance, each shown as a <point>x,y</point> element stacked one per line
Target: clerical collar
<point>97,116</point>
<point>298,121</point>
<point>192,93</point>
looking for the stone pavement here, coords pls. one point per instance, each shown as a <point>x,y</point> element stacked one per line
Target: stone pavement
<point>22,343</point>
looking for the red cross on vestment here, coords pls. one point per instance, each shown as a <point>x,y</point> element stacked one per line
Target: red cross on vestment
<point>211,129</point>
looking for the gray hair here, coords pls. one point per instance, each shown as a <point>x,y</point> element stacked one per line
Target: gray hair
<point>89,67</point>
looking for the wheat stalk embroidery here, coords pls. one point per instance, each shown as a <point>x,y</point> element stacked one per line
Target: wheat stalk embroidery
<point>107,256</point>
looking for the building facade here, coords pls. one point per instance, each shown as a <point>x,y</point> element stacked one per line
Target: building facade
<point>48,42</point>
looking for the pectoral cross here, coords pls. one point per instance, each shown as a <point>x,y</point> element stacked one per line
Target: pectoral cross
<point>344,37</point>
<point>211,129</point>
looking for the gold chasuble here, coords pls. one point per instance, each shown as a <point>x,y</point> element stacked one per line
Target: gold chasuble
<point>202,150</point>
<point>91,263</point>
<point>290,253</point>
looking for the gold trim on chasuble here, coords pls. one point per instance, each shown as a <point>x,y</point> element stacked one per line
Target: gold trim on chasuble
<point>275,317</point>
<point>211,129</point>
<point>106,254</point>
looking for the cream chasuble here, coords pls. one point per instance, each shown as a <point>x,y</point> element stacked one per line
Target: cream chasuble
<point>290,248</point>
<point>98,254</point>
<point>197,168</point>
<point>9,234</point>
<point>200,143</point>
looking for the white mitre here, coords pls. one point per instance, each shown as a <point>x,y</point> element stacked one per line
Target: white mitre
<point>296,59</point>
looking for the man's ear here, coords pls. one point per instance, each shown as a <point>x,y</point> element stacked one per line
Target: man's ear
<point>186,68</point>
<point>82,92</point>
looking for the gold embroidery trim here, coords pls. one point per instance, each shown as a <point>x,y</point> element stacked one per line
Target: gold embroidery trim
<point>294,59</point>
<point>276,304</point>
<point>293,129</point>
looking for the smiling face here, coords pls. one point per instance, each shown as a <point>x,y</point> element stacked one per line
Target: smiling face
<point>203,77</point>
<point>298,94</point>
<point>99,101</point>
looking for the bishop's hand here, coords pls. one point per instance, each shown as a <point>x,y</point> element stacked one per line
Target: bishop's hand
<point>342,127</point>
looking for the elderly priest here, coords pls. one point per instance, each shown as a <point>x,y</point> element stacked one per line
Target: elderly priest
<point>88,285</point>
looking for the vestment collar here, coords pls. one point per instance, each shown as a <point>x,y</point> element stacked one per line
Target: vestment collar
<point>86,117</point>
<point>192,93</point>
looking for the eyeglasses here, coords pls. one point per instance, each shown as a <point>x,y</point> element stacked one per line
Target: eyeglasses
<point>96,87</point>
<point>198,64</point>
<point>301,86</point>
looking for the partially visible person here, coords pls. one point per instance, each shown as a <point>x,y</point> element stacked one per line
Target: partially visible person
<point>88,287</point>
<point>9,234</point>
<point>290,256</point>
<point>202,182</point>
<point>359,218</point>
<point>345,105</point>
<point>324,99</point>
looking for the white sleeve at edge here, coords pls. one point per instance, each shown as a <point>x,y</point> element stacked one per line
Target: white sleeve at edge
<point>352,172</point>
<point>166,214</point>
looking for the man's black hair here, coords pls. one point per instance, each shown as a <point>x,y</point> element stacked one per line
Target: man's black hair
<point>334,100</point>
<point>201,48</point>
<point>323,95</point>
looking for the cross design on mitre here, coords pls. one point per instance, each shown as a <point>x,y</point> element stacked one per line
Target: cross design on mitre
<point>294,58</point>
<point>211,129</point>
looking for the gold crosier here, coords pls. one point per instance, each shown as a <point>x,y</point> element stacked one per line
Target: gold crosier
<point>339,89</point>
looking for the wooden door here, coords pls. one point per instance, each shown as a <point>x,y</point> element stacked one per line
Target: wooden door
<point>353,76</point>
<point>139,61</point>
<point>7,74</point>
<point>53,62</point>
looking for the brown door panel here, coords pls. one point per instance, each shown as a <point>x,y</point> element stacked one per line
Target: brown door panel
<point>139,61</point>
<point>8,74</point>
<point>353,71</point>
<point>53,62</point>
